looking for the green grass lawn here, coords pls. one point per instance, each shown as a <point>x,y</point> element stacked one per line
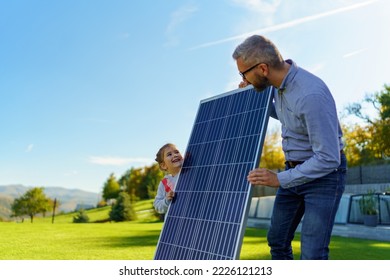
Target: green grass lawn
<point>65,240</point>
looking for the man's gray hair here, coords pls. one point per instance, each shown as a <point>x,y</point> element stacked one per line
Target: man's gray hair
<point>258,49</point>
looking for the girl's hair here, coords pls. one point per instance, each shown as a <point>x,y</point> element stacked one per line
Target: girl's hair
<point>160,153</point>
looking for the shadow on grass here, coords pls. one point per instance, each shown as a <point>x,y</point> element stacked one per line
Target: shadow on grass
<point>147,239</point>
<point>255,232</point>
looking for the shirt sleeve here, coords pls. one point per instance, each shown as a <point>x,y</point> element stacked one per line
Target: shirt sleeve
<point>160,202</point>
<point>318,113</point>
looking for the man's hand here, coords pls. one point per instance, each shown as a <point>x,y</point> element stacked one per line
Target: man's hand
<point>264,177</point>
<point>243,84</point>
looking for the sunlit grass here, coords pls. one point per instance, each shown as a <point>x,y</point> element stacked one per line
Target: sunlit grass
<point>255,246</point>
<point>381,245</point>
<point>108,241</point>
<point>137,240</point>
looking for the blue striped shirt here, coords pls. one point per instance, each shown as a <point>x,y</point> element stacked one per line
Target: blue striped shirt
<point>310,127</point>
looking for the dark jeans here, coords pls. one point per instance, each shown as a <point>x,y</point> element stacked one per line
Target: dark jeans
<point>318,202</point>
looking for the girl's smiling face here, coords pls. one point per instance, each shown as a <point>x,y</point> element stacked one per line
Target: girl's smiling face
<point>173,160</point>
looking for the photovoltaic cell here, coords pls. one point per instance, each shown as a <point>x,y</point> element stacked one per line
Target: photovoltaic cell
<point>207,218</point>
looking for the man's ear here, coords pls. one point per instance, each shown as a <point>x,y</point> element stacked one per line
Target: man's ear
<point>264,68</point>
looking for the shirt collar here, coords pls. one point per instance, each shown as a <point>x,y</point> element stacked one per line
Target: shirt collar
<point>289,77</point>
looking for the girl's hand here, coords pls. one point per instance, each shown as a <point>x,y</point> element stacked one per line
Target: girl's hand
<point>170,195</point>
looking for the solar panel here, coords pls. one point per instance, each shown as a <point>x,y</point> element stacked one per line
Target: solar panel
<point>207,218</point>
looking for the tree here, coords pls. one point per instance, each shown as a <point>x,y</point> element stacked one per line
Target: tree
<point>122,209</point>
<point>34,201</point>
<point>54,204</point>
<point>377,139</point>
<point>126,182</point>
<point>19,208</point>
<point>272,156</point>
<point>151,178</point>
<point>111,188</point>
<point>131,181</point>
<point>356,140</point>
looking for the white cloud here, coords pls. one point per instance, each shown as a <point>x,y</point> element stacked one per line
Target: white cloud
<point>258,5</point>
<point>354,53</point>
<point>118,161</point>
<point>29,148</point>
<point>177,18</point>
<point>285,25</point>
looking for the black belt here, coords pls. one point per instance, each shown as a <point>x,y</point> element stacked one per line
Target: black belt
<point>293,164</point>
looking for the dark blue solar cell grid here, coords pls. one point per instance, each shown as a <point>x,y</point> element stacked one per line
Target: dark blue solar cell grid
<point>208,216</point>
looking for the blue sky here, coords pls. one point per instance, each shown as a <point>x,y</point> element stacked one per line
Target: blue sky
<point>90,88</point>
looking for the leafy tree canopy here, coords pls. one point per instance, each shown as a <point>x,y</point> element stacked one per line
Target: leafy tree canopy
<point>31,203</point>
<point>369,143</point>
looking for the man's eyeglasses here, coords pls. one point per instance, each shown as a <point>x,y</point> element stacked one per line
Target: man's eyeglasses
<point>248,70</point>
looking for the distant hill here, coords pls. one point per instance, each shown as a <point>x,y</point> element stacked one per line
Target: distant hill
<point>5,206</point>
<point>69,198</point>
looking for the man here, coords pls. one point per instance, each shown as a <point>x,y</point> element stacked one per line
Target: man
<point>314,179</point>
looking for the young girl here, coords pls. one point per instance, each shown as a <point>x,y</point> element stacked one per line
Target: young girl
<point>170,161</point>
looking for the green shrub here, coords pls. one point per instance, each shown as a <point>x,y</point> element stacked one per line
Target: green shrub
<point>81,217</point>
<point>122,209</point>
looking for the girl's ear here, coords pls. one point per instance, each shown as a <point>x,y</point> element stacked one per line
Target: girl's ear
<point>163,166</point>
